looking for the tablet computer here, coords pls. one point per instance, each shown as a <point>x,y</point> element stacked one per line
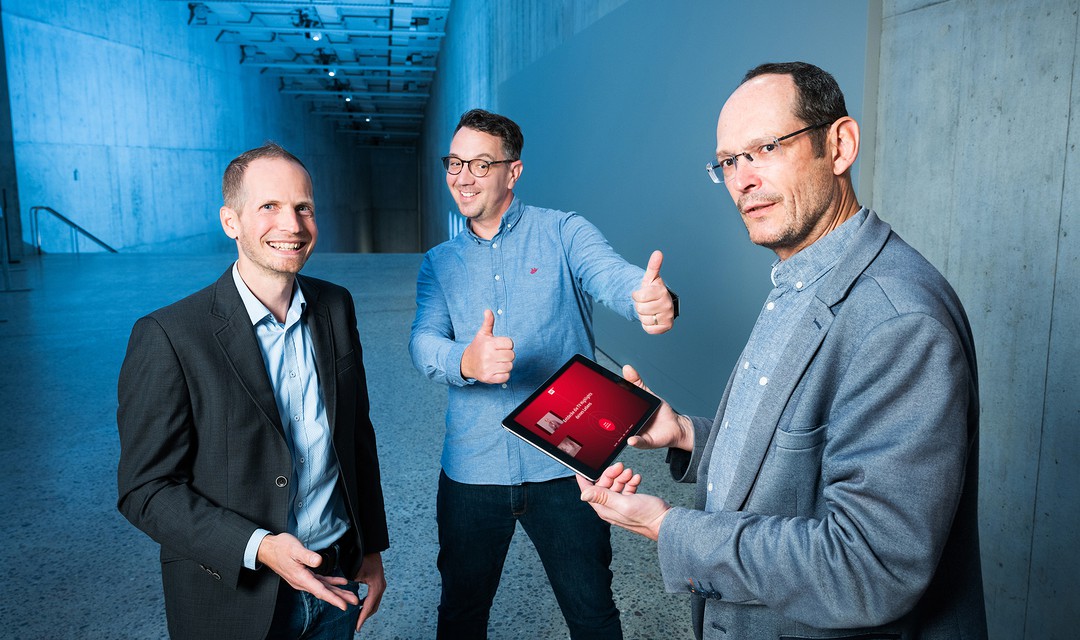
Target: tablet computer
<point>582,416</point>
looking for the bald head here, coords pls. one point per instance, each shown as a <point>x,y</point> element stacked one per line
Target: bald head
<point>786,159</point>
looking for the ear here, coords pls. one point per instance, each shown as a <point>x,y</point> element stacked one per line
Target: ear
<point>229,222</point>
<point>515,173</point>
<point>843,144</point>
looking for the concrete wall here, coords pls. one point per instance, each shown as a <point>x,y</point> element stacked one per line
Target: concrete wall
<point>395,211</point>
<point>977,166</point>
<point>124,119</point>
<point>487,43</point>
<point>618,106</point>
<point>9,188</point>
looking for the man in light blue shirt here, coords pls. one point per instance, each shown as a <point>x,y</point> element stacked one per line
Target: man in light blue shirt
<point>500,307</point>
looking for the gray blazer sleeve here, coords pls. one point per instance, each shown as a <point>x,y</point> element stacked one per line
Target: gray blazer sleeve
<point>853,503</point>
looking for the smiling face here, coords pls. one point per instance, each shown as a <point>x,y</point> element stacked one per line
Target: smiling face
<point>789,204</point>
<point>482,200</point>
<point>274,227</point>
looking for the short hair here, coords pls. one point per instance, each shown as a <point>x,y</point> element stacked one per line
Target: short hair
<point>819,100</point>
<point>494,124</point>
<point>232,183</point>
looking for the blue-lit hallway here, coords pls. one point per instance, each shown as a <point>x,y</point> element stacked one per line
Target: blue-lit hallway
<point>74,568</point>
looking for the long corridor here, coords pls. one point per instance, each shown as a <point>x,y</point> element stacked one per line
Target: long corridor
<point>74,568</point>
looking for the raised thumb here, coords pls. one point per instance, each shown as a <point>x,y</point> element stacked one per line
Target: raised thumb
<point>652,270</point>
<point>488,328</point>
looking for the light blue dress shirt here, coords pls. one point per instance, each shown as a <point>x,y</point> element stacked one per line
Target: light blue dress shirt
<point>794,282</point>
<point>539,275</point>
<point>318,515</point>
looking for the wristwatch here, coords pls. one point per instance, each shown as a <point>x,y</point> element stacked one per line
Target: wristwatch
<point>674,302</point>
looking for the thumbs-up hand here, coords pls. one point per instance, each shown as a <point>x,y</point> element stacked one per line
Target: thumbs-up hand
<point>652,300</point>
<point>488,358</point>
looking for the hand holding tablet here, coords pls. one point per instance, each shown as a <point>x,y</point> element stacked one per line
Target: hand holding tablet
<point>582,416</point>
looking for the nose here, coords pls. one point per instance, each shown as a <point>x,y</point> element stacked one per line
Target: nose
<point>465,176</point>
<point>289,220</point>
<point>745,177</point>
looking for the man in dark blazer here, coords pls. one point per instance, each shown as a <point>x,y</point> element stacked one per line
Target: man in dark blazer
<point>247,452</point>
<point>837,484</point>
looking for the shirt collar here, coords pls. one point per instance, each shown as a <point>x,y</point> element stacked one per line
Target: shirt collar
<point>257,311</point>
<point>507,223</point>
<point>814,261</point>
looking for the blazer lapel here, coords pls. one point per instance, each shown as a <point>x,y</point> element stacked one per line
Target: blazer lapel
<point>322,339</point>
<point>799,354</point>
<point>237,339</point>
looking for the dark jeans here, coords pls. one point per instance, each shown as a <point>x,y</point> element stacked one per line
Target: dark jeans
<point>476,523</point>
<point>300,615</point>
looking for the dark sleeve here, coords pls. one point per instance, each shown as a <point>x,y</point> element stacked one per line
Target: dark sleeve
<point>157,449</point>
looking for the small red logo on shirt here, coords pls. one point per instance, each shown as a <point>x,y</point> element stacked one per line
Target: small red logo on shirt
<point>532,271</point>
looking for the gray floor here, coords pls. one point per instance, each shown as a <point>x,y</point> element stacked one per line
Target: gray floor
<point>72,567</point>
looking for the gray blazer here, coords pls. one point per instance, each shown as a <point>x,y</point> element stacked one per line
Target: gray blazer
<point>853,509</point>
<point>203,455</point>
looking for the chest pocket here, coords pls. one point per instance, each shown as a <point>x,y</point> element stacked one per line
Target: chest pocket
<point>789,483</point>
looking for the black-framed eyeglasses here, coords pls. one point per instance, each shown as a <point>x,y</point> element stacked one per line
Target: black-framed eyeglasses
<point>760,156</point>
<point>477,166</point>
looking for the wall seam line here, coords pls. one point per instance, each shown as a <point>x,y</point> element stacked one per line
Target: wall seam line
<point>1050,324</point>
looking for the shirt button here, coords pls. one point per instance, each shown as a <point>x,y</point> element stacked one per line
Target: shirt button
<point>504,385</point>
<point>770,306</point>
<point>798,285</point>
<point>499,312</point>
<point>710,486</point>
<point>296,418</point>
<point>300,504</point>
<point>496,276</point>
<point>494,245</point>
<point>301,461</point>
<point>763,381</point>
<point>746,364</point>
<point>281,481</point>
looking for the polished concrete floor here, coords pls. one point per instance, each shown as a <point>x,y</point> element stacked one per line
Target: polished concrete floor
<point>72,567</point>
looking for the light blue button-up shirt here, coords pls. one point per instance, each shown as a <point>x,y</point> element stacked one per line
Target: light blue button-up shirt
<point>317,517</point>
<point>794,282</point>
<point>539,275</point>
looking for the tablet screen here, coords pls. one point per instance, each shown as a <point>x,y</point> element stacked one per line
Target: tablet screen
<point>582,416</point>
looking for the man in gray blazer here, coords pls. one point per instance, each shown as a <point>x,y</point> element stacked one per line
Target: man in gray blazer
<point>837,484</point>
<point>247,452</point>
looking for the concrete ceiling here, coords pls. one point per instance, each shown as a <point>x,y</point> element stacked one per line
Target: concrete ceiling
<point>367,66</point>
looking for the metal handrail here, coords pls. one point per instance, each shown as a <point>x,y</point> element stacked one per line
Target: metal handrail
<point>35,230</point>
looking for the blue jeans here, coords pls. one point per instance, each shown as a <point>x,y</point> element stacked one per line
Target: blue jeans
<point>476,523</point>
<point>300,615</point>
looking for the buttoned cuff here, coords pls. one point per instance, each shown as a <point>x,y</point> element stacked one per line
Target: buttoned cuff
<point>453,366</point>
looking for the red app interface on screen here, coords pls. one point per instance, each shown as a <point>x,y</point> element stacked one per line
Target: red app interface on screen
<point>583,414</point>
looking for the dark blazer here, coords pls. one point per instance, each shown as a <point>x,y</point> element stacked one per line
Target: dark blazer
<point>852,513</point>
<point>204,459</point>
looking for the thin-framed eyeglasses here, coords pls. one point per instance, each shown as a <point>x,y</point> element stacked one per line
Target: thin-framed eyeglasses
<point>477,166</point>
<point>760,156</point>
